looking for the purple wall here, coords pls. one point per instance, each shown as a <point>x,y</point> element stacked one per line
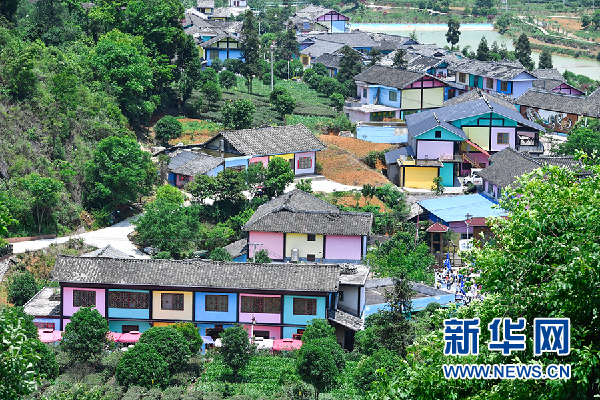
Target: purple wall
<point>434,149</point>
<point>460,227</point>
<point>69,309</point>
<point>271,241</point>
<point>343,247</point>
<point>274,331</point>
<point>511,138</point>
<point>260,317</point>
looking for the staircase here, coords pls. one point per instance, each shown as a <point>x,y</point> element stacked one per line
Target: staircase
<point>467,141</point>
<point>467,158</point>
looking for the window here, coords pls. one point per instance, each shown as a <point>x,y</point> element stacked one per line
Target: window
<point>261,305</point>
<point>216,302</point>
<point>262,334</point>
<point>84,298</point>
<point>304,60</point>
<point>305,25</point>
<point>128,300</point>
<point>311,237</point>
<point>489,83</point>
<point>304,163</point>
<point>340,295</point>
<point>44,325</point>
<point>213,54</point>
<point>476,81</point>
<point>393,96</point>
<point>365,92</point>
<point>310,257</point>
<point>438,134</point>
<point>502,137</point>
<point>305,306</point>
<point>171,301</point>
<point>237,168</point>
<point>129,328</point>
<point>291,161</point>
<point>504,86</point>
<point>462,77</point>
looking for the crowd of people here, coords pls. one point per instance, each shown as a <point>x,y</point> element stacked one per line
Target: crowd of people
<point>466,290</point>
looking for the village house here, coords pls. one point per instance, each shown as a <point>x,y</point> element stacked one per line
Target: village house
<point>185,165</point>
<point>333,20</point>
<point>223,46</point>
<point>274,301</point>
<point>298,226</point>
<point>317,44</point>
<point>206,7</point>
<point>451,140</point>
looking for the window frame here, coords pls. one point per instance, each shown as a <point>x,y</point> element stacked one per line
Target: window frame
<point>365,93</point>
<point>462,77</point>
<point>504,86</point>
<point>503,135</point>
<point>311,257</point>
<point>82,301</point>
<point>139,303</point>
<point>393,92</point>
<point>303,161</point>
<point>489,83</point>
<point>180,299</point>
<point>438,134</point>
<point>127,327</point>
<point>258,305</point>
<point>311,237</point>
<point>303,306</point>
<point>211,54</point>
<point>218,302</point>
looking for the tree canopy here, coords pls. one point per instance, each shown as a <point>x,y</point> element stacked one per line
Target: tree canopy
<point>523,51</point>
<point>85,335</point>
<point>453,33</point>
<point>350,64</point>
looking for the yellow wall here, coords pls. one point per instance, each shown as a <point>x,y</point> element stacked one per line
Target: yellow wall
<point>433,97</point>
<point>300,241</point>
<point>288,157</point>
<point>420,177</point>
<point>478,135</point>
<point>411,99</point>
<point>162,323</point>
<point>185,315</point>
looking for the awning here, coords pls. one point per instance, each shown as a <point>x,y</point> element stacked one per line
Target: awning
<point>114,336</point>
<point>131,337</point>
<point>286,344</point>
<point>345,319</point>
<point>49,335</point>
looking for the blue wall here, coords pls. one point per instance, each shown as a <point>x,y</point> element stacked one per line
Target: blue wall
<point>288,310</point>
<point>131,313</point>
<point>288,331</point>
<point>380,134</point>
<point>242,258</point>
<point>338,26</point>
<point>384,97</point>
<point>117,326</point>
<point>56,322</point>
<point>447,172</point>
<point>233,53</point>
<point>202,315</point>
<point>236,161</point>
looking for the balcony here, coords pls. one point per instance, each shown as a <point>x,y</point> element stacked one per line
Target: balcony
<point>451,158</point>
<point>531,148</point>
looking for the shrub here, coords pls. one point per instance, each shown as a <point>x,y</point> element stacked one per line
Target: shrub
<point>308,73</point>
<point>320,362</point>
<point>167,128</point>
<point>46,366</point>
<point>371,159</point>
<point>142,366</point>
<point>220,254</point>
<point>365,372</point>
<point>236,348</point>
<point>329,86</point>
<point>169,343</point>
<point>262,257</point>
<point>191,334</point>
<point>227,79</point>
<point>337,101</point>
<point>208,75</point>
<point>212,92</point>
<point>285,105</point>
<point>277,91</point>
<point>85,335</point>
<point>170,194</point>
<point>238,114</point>
<point>318,168</point>
<point>234,65</point>
<point>318,328</point>
<point>111,361</point>
<point>314,81</point>
<point>21,288</point>
<point>305,185</point>
<point>320,69</point>
<point>217,64</point>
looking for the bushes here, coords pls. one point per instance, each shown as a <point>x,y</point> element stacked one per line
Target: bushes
<point>191,334</point>
<point>143,366</point>
<point>277,91</point>
<point>170,194</point>
<point>85,335</point>
<point>371,159</point>
<point>167,128</point>
<point>169,343</point>
<point>21,288</point>
<point>212,92</point>
<point>220,254</point>
<point>337,100</point>
<point>227,79</point>
<point>238,114</point>
<point>285,105</point>
<point>329,86</point>
<point>262,257</point>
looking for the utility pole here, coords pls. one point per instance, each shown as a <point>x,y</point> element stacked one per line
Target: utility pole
<point>272,47</point>
<point>254,246</point>
<point>288,71</point>
<point>468,216</point>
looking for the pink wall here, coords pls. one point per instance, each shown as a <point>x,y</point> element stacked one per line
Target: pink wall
<point>271,241</point>
<point>342,247</point>
<point>355,116</point>
<point>274,331</point>
<point>310,170</point>
<point>434,148</point>
<point>511,138</point>
<point>260,318</point>
<point>460,227</point>
<point>264,160</point>
<point>68,308</point>
<point>427,84</point>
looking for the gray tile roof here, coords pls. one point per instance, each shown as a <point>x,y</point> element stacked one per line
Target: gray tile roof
<point>180,158</point>
<point>272,140</point>
<point>108,252</point>
<point>547,84</point>
<point>205,3</point>
<point>567,162</point>
<point>237,248</point>
<point>558,102</point>
<point>321,47</point>
<point>548,74</point>
<point>208,43</point>
<point>300,212</point>
<point>328,60</point>
<point>197,274</point>
<point>312,12</point>
<point>507,165</point>
<point>345,319</point>
<point>393,156</point>
<point>198,165</point>
<point>352,39</point>
<point>479,94</point>
<point>490,69</point>
<point>387,76</point>
<point>423,63</point>
<point>46,302</point>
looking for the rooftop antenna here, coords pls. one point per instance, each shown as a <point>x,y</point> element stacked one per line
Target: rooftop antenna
<point>436,118</point>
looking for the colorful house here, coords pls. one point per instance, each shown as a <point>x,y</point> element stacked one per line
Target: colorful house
<point>281,299</point>
<point>504,78</point>
<point>205,6</point>
<point>294,143</point>
<point>185,165</point>
<point>300,227</point>
<point>223,46</point>
<point>238,250</point>
<point>387,92</point>
<point>450,140</point>
<point>333,20</point>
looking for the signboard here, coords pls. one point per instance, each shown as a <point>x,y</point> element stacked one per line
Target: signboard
<point>465,244</point>
<point>477,181</point>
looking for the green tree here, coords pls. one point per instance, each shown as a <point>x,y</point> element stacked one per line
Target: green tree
<point>503,23</point>
<point>318,328</point>
<point>338,100</point>
<point>262,257</point>
<point>374,56</point>
<point>586,20</point>
<point>169,343</point>
<point>45,194</point>
<point>483,51</point>
<point>366,370</point>
<point>217,64</point>
<point>319,69</point>
<point>278,176</point>
<point>523,51</point>
<point>170,194</point>
<point>21,288</point>
<point>17,350</point>
<point>191,334</point>
<point>212,92</point>
<point>285,105</point>
<point>438,186</point>
<point>236,349</point>
<point>320,362</point>
<point>288,46</point>
<point>220,254</point>
<point>85,335</point>
<point>208,75</point>
<point>350,64</point>
<point>329,86</point>
<point>167,128</point>
<point>305,185</point>
<point>119,172</point>
<point>227,79</point>
<point>582,138</point>
<point>142,366</point>
<point>238,114</point>
<point>398,60</point>
<point>5,218</point>
<point>8,8</point>
<point>596,19</point>
<point>545,59</point>
<point>276,92</point>
<point>250,50</point>
<point>453,33</point>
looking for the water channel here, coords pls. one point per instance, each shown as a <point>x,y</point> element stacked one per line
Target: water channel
<point>471,34</point>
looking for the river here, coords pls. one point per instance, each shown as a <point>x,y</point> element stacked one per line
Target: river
<point>471,34</point>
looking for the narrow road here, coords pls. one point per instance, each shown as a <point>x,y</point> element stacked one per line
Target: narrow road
<point>115,235</point>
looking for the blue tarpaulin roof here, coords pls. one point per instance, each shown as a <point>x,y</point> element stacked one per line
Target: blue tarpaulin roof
<point>455,208</point>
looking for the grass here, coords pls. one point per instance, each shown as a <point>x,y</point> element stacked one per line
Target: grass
<point>196,131</point>
<point>315,124</point>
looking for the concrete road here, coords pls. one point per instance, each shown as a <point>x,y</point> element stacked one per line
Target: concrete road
<point>115,235</point>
